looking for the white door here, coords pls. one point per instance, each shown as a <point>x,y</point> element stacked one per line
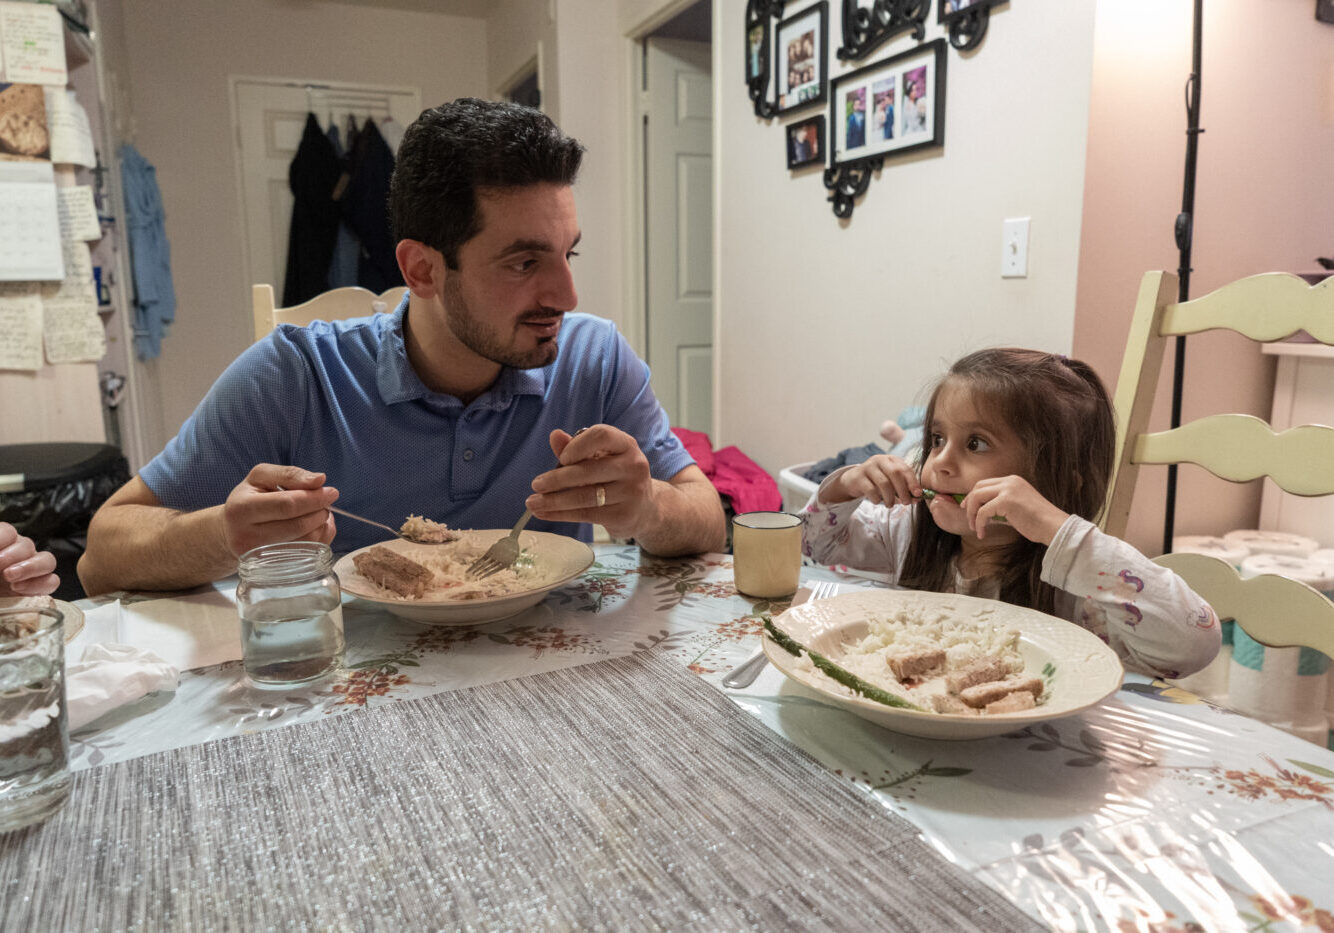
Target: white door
<point>270,116</point>
<point>678,170</point>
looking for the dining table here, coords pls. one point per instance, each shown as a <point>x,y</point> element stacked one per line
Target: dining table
<point>579,765</point>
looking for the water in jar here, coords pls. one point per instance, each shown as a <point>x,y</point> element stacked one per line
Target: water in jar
<point>291,640</point>
<point>33,747</point>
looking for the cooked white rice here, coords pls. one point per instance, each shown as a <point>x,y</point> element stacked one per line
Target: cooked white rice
<point>919,628</point>
<point>450,562</point>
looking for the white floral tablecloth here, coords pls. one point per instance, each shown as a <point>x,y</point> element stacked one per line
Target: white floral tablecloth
<point>1152,811</point>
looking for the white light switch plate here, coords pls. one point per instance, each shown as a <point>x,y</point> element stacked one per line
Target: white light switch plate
<point>1014,248</point>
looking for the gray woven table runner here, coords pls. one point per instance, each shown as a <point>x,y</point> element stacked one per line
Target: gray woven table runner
<point>621,795</point>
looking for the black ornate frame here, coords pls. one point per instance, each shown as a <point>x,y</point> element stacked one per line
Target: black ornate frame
<point>760,14</point>
<point>867,28</point>
<point>968,24</point>
<point>820,10</point>
<point>819,156</point>
<point>848,179</point>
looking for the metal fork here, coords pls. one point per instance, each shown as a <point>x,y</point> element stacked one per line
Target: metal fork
<point>501,555</point>
<point>744,674</point>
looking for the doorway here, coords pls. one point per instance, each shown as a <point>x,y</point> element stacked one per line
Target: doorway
<point>675,139</point>
<point>270,116</point>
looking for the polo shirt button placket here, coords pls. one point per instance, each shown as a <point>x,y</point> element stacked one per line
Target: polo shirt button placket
<point>467,455</point>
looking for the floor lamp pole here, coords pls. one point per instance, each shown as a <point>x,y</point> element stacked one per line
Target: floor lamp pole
<point>1185,223</point>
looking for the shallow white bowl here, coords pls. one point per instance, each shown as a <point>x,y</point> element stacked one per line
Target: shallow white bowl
<point>1085,671</point>
<point>557,560</point>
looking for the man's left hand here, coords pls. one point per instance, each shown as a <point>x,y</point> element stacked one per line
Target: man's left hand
<point>603,477</point>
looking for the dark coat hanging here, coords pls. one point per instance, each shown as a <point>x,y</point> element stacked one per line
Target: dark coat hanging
<point>310,243</point>
<point>366,209</point>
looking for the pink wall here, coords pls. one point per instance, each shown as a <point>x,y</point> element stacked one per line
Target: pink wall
<point>1264,202</point>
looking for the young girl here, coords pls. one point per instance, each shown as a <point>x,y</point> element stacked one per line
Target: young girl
<point>1027,437</point>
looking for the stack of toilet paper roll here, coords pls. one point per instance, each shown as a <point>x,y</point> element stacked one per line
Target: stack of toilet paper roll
<point>1287,687</point>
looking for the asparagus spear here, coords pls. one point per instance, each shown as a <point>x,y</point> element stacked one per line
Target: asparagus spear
<point>929,494</point>
<point>845,677</point>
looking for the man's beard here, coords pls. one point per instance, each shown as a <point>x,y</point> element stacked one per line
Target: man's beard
<point>488,344</point>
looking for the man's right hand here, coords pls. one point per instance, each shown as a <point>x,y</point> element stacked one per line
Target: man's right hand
<point>278,503</point>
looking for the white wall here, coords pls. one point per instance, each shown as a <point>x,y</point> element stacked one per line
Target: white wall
<point>178,59</point>
<point>828,328</point>
<point>583,75</point>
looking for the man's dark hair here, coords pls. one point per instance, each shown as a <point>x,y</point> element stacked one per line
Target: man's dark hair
<point>452,150</point>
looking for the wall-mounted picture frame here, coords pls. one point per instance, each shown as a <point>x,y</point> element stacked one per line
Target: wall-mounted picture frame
<point>757,50</point>
<point>966,21</point>
<point>758,62</point>
<point>806,141</point>
<point>801,59</point>
<point>892,106</point>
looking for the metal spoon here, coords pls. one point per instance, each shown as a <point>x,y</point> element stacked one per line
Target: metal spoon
<point>393,531</point>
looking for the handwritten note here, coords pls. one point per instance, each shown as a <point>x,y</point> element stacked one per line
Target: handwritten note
<point>20,326</point>
<point>70,325</point>
<point>67,124</point>
<point>29,223</point>
<point>33,44</point>
<point>78,213</point>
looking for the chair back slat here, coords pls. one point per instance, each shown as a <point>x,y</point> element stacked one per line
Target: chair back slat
<point>1241,448</point>
<point>1274,610</point>
<point>1266,307</point>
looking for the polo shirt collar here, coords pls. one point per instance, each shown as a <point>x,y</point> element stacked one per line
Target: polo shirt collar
<point>397,381</point>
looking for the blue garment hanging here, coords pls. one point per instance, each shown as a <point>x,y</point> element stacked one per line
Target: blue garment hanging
<point>347,251</point>
<point>150,254</point>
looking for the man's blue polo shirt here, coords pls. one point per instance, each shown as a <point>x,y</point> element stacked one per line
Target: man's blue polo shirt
<point>341,398</point>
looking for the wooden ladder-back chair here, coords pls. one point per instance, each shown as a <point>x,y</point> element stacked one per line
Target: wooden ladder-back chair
<point>1273,610</point>
<point>333,305</point>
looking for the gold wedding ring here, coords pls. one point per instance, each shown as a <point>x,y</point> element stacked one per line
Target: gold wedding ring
<point>602,497</point>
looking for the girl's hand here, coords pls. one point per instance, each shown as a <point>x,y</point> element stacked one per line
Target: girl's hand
<point>1014,499</point>
<point>24,570</point>
<point>883,479</point>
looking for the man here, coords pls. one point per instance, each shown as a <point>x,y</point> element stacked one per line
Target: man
<point>856,134</point>
<point>461,405</point>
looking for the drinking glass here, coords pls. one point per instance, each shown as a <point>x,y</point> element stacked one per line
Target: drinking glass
<point>34,740</point>
<point>766,553</point>
<point>291,612</point>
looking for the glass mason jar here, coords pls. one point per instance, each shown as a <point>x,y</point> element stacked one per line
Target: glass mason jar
<point>34,742</point>
<point>291,613</point>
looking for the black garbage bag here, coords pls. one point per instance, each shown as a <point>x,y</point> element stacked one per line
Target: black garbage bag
<point>53,491</point>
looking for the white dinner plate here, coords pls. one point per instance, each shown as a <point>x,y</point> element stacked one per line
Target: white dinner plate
<point>1085,671</point>
<point>556,560</point>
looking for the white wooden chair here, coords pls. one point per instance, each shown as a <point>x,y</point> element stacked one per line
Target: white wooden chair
<point>1273,610</point>
<point>333,305</point>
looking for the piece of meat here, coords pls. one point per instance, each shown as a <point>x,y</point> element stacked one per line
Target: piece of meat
<point>945,703</point>
<point>1013,702</point>
<point>916,663</point>
<point>980,671</point>
<point>393,571</point>
<point>982,694</point>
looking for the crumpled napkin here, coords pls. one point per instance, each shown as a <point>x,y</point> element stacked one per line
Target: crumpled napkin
<point>109,676</point>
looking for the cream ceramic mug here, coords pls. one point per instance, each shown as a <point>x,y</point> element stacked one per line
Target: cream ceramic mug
<point>766,553</point>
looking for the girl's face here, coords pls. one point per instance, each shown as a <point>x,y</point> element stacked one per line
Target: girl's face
<point>966,445</point>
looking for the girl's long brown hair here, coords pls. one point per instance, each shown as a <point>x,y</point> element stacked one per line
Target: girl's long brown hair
<point>1060,411</point>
